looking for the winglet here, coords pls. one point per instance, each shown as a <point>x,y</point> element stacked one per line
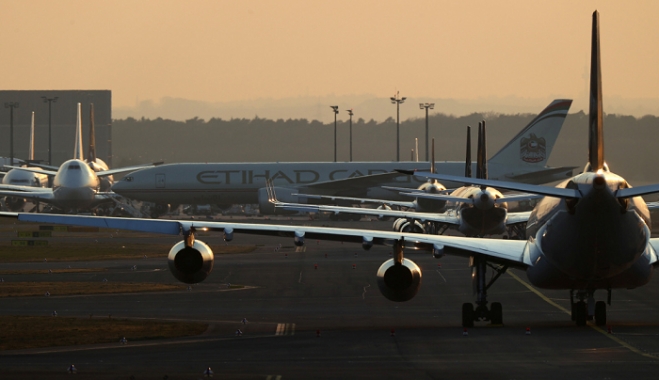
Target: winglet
<point>596,118</point>
<point>77,152</point>
<point>91,153</point>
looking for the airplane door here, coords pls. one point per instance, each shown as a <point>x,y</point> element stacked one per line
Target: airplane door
<point>160,181</point>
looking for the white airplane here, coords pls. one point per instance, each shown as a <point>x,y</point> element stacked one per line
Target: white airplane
<point>19,177</point>
<point>524,159</point>
<point>75,185</point>
<point>589,233</point>
<point>474,210</point>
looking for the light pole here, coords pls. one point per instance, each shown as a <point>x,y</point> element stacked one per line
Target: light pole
<point>336,111</point>
<point>50,140</point>
<point>350,113</point>
<point>427,106</point>
<point>397,100</point>
<point>11,106</point>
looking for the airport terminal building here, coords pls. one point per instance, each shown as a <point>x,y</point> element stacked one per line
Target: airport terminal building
<point>63,105</point>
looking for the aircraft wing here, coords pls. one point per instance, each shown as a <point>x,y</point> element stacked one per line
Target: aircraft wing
<point>39,194</point>
<point>558,192</point>
<point>360,183</point>
<point>34,170</point>
<point>358,200</point>
<point>422,216</point>
<point>449,198</point>
<point>20,188</point>
<point>508,252</point>
<point>652,205</point>
<point>126,169</point>
<point>517,217</point>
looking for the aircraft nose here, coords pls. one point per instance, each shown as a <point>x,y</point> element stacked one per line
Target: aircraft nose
<point>485,201</point>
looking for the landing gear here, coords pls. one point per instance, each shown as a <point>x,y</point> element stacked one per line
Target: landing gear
<point>586,309</point>
<point>481,313</point>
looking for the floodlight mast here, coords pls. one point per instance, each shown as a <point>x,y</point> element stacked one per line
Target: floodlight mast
<point>397,100</point>
<point>336,111</point>
<point>350,113</point>
<point>427,106</point>
<point>50,134</point>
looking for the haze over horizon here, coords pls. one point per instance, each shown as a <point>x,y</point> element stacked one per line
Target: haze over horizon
<point>511,54</point>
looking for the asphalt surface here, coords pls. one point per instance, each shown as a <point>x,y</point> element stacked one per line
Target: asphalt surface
<point>286,300</point>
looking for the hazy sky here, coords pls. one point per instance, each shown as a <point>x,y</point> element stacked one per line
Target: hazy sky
<point>239,50</point>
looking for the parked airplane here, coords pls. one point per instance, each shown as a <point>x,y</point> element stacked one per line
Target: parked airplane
<point>591,232</point>
<point>75,185</point>
<point>474,210</point>
<point>524,159</point>
<point>19,177</point>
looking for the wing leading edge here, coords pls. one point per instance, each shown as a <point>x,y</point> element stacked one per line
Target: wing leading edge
<point>509,252</point>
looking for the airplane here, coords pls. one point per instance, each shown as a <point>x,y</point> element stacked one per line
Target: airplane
<point>75,185</point>
<point>591,232</point>
<point>524,159</point>
<point>23,178</point>
<point>474,210</point>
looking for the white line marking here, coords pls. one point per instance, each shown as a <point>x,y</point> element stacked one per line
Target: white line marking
<point>440,273</point>
<point>364,294</point>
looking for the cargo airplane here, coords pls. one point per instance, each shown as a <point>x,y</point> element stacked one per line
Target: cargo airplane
<point>590,232</point>
<point>523,159</point>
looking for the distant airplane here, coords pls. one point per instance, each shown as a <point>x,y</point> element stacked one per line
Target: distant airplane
<point>75,185</point>
<point>17,177</point>
<point>524,159</point>
<point>591,232</point>
<point>474,210</point>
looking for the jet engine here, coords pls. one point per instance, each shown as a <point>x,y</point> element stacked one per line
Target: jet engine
<point>14,203</point>
<point>405,225</point>
<point>386,208</point>
<point>399,282</point>
<point>190,264</point>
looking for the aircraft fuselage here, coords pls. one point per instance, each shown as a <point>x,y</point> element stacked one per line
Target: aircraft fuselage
<point>595,242</point>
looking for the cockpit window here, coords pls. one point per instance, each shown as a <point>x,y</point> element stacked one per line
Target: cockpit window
<point>129,179</point>
<point>74,166</point>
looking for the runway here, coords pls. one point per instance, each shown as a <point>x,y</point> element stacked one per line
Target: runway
<point>287,301</point>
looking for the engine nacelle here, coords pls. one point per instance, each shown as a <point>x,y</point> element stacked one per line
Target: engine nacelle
<point>190,264</point>
<point>399,282</point>
<point>386,208</point>
<point>404,225</point>
<point>284,194</point>
<point>228,234</point>
<point>438,251</point>
<point>14,203</point>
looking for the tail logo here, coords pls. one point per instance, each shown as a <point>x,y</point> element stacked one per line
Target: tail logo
<point>533,149</point>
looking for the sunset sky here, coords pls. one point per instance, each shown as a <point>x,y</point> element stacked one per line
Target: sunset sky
<point>221,51</point>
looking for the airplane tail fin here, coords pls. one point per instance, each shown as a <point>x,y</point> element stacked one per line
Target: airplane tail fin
<point>482,152</point>
<point>533,145</point>
<point>468,158</point>
<point>91,153</point>
<point>596,118</point>
<point>30,154</point>
<point>77,152</point>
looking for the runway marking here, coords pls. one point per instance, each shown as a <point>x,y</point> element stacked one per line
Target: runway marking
<point>273,377</point>
<point>440,273</point>
<point>364,293</point>
<point>285,329</point>
<point>566,311</point>
<point>301,249</point>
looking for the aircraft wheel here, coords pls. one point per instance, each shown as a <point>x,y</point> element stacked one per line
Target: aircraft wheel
<point>600,313</point>
<point>467,315</point>
<point>496,313</point>
<point>581,313</point>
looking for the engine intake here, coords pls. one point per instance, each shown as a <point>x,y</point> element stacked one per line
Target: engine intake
<point>190,264</point>
<point>399,282</point>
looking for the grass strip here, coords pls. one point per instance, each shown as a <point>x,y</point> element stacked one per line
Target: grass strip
<point>24,332</point>
<point>57,251</point>
<point>31,289</point>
